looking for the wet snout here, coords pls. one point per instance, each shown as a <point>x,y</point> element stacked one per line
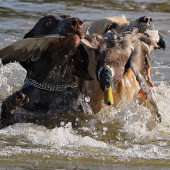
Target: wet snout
<point>72,26</point>
<point>146,19</point>
<point>75,23</point>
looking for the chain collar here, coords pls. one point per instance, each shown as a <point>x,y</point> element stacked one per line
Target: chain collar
<point>50,87</point>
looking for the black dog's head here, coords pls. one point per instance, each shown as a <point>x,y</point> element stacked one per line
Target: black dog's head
<point>65,48</point>
<point>52,24</point>
<point>46,52</point>
<point>143,24</point>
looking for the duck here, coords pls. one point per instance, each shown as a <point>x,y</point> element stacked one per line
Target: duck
<point>148,39</point>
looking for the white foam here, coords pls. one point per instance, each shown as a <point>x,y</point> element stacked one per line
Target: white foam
<point>126,132</point>
<point>55,138</point>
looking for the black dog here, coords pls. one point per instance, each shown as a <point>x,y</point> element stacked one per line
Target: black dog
<point>50,88</point>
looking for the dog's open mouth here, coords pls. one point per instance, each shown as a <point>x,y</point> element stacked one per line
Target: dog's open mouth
<point>60,38</point>
<point>70,40</point>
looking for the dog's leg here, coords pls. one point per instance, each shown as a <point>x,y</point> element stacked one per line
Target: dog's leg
<point>10,104</point>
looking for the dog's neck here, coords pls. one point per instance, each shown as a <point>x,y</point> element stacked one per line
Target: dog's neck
<point>50,71</point>
<point>50,87</point>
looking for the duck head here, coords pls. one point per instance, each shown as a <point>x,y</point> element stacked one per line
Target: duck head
<point>105,78</point>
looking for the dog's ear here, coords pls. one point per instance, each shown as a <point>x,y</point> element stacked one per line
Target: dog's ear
<point>81,62</point>
<point>161,43</point>
<point>29,34</point>
<point>83,74</point>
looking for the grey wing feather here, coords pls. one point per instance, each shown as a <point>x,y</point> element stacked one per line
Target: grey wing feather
<point>146,40</point>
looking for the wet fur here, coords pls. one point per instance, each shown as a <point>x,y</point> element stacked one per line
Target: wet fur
<point>52,67</point>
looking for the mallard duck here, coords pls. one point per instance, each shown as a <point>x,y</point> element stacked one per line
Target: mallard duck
<point>128,86</point>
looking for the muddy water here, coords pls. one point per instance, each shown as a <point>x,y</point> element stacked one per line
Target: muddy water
<point>122,138</point>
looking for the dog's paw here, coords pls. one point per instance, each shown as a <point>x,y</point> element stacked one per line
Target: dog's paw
<point>15,101</point>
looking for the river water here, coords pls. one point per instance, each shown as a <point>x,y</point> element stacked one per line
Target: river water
<point>122,138</point>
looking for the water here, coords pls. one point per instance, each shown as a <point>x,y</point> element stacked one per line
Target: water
<point>122,138</point>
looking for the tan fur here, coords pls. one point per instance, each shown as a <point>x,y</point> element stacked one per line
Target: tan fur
<point>128,86</point>
<point>100,26</point>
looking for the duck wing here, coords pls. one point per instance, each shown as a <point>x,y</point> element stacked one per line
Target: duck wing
<point>30,48</point>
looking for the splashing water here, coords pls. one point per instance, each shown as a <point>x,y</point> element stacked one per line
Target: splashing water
<point>5,89</point>
<point>124,133</point>
<point>127,133</point>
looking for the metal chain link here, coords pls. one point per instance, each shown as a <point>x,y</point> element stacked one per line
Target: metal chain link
<point>50,87</point>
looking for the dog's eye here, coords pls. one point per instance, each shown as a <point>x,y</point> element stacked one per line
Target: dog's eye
<point>49,21</point>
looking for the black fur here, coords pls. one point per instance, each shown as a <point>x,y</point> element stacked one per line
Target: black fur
<point>56,66</point>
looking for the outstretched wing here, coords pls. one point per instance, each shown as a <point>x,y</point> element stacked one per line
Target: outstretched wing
<point>139,63</point>
<point>30,48</point>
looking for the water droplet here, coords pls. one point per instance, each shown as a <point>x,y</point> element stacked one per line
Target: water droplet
<point>167,127</point>
<point>1,63</point>
<point>137,101</point>
<point>62,123</point>
<point>77,119</point>
<point>95,133</point>
<point>65,55</point>
<point>105,129</point>
<point>87,99</point>
<point>103,120</point>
